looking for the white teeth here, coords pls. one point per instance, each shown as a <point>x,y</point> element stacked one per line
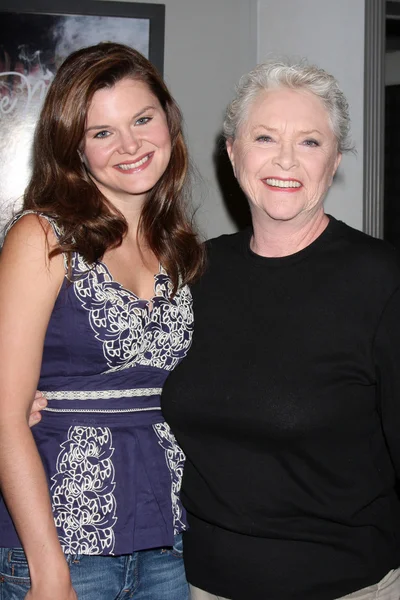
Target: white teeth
<point>134,165</point>
<point>283,184</point>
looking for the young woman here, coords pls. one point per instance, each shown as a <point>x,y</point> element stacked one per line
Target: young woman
<point>95,310</point>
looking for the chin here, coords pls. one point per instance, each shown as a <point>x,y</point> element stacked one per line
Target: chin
<point>282,214</point>
<point>143,188</point>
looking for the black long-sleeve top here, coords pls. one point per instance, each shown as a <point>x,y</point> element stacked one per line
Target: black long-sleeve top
<point>288,410</point>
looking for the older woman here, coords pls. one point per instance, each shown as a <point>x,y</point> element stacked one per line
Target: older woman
<point>288,404</point>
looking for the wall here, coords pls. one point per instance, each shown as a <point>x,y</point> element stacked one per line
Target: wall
<point>392,68</point>
<point>331,34</point>
<point>209,44</point>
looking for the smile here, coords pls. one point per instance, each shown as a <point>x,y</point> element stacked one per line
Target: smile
<point>135,165</point>
<point>282,183</point>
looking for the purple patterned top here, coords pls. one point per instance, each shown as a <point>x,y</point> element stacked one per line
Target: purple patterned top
<point>113,466</point>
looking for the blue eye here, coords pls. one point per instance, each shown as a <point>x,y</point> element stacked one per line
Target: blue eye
<point>143,120</point>
<point>264,138</point>
<point>311,143</point>
<point>102,134</point>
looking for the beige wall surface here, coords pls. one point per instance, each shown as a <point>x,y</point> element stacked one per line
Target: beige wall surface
<point>209,44</point>
<point>331,34</point>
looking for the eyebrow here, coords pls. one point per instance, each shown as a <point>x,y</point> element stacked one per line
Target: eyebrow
<point>274,130</point>
<point>135,116</point>
<point>309,132</point>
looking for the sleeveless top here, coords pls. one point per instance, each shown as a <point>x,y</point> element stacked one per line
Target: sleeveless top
<point>113,466</point>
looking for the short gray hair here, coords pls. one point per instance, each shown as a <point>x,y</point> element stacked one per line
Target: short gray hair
<point>295,75</point>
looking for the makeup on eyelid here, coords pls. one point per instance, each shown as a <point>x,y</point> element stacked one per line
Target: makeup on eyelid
<point>285,154</point>
<point>127,144</point>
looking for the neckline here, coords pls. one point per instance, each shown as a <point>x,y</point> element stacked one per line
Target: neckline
<point>282,261</point>
<point>121,287</point>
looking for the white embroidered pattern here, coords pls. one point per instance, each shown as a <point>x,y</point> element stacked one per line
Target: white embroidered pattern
<point>131,334</point>
<point>83,501</point>
<point>101,394</point>
<point>175,460</point>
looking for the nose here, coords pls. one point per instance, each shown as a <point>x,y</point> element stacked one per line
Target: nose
<point>286,156</point>
<point>129,142</point>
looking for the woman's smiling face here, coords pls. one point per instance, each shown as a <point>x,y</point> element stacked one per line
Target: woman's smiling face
<point>127,144</point>
<point>285,154</point>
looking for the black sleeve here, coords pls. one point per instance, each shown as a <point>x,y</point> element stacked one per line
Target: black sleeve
<point>387,363</point>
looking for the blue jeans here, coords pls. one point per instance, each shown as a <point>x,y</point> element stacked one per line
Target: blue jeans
<point>146,575</point>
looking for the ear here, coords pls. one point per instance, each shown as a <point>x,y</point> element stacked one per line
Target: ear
<point>337,162</point>
<point>231,152</point>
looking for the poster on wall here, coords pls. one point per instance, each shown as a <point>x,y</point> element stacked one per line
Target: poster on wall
<point>35,38</point>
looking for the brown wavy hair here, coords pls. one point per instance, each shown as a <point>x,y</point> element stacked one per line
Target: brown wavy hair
<point>60,185</point>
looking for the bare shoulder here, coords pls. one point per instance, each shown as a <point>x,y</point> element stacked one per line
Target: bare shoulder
<point>32,230</point>
<point>28,243</point>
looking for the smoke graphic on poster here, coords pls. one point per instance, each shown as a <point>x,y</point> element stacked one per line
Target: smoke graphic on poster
<point>32,48</point>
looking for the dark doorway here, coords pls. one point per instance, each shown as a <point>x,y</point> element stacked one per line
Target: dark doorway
<point>392,165</point>
<point>392,129</point>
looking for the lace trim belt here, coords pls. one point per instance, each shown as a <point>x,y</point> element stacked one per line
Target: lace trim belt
<point>80,400</point>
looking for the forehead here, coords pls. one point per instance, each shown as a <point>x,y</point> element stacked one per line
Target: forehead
<point>280,107</point>
<point>127,93</point>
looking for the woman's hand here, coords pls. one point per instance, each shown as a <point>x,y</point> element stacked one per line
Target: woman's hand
<point>38,404</point>
<point>51,580</point>
<point>57,593</point>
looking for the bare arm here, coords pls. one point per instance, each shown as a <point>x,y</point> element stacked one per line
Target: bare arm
<point>29,284</point>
